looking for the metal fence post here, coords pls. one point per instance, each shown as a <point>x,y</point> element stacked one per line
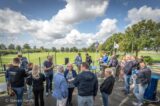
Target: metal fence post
<point>55,58</point>
<point>40,63</point>
<point>1,62</point>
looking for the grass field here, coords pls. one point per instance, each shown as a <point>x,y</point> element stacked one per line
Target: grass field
<point>60,56</point>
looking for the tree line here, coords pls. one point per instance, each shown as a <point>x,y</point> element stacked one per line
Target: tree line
<point>144,35</point>
<point>26,48</point>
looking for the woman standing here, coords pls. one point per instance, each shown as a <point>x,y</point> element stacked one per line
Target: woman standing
<point>36,80</point>
<point>107,86</point>
<point>70,74</point>
<point>60,87</point>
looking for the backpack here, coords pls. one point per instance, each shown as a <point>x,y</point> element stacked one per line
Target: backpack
<point>29,80</point>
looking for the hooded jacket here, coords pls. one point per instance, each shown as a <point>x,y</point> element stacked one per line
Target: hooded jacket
<point>87,84</point>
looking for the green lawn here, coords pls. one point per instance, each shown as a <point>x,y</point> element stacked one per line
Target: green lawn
<point>34,57</point>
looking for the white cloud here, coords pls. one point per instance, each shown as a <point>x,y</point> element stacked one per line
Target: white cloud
<point>145,12</point>
<point>107,27</point>
<point>75,38</point>
<point>59,29</point>
<point>79,10</point>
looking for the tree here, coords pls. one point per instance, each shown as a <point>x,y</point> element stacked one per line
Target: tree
<point>54,49</point>
<point>84,49</point>
<point>18,47</point>
<point>67,49</point>
<point>62,49</point>
<point>140,35</point>
<point>42,48</point>
<point>26,46</point>
<point>11,46</point>
<point>34,47</point>
<point>108,45</point>
<point>2,47</point>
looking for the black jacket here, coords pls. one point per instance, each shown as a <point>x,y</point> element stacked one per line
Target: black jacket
<point>37,84</point>
<point>113,62</point>
<point>87,84</point>
<point>15,76</point>
<point>144,76</point>
<point>128,67</point>
<point>107,85</point>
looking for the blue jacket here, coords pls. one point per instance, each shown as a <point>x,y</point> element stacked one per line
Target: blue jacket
<point>60,87</point>
<point>73,73</point>
<point>105,59</point>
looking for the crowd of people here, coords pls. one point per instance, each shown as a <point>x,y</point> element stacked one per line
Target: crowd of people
<point>23,74</point>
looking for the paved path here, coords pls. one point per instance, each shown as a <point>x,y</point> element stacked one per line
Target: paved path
<point>116,99</point>
<point>3,87</point>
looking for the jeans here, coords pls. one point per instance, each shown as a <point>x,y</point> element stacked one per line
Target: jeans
<point>85,100</point>
<point>127,83</point>
<point>135,90</point>
<point>38,94</point>
<point>19,93</point>
<point>141,90</point>
<point>49,78</point>
<point>70,92</point>
<point>29,92</point>
<point>105,99</point>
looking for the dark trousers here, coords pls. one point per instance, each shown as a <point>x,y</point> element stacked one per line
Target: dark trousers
<point>38,95</point>
<point>70,92</point>
<point>49,79</point>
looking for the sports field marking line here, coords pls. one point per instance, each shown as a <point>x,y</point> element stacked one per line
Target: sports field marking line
<point>123,101</point>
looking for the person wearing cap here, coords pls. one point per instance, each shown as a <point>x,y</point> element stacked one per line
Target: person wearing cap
<point>70,74</point>
<point>60,87</point>
<point>48,70</point>
<point>107,86</point>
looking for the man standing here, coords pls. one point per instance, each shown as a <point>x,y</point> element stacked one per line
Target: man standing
<point>78,61</point>
<point>127,73</point>
<point>48,69</point>
<point>143,80</point>
<point>15,78</point>
<point>87,85</point>
<point>23,62</point>
<point>88,59</point>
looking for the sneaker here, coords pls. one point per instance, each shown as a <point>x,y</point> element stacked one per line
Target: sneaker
<point>140,104</point>
<point>135,103</point>
<point>47,94</point>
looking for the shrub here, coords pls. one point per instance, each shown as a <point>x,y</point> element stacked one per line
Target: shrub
<point>148,59</point>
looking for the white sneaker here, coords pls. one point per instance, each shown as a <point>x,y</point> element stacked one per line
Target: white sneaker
<point>140,104</point>
<point>135,103</point>
<point>47,94</point>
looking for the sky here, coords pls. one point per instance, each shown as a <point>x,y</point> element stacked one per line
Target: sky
<point>68,23</point>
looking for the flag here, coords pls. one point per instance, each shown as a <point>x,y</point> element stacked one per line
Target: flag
<point>116,46</point>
